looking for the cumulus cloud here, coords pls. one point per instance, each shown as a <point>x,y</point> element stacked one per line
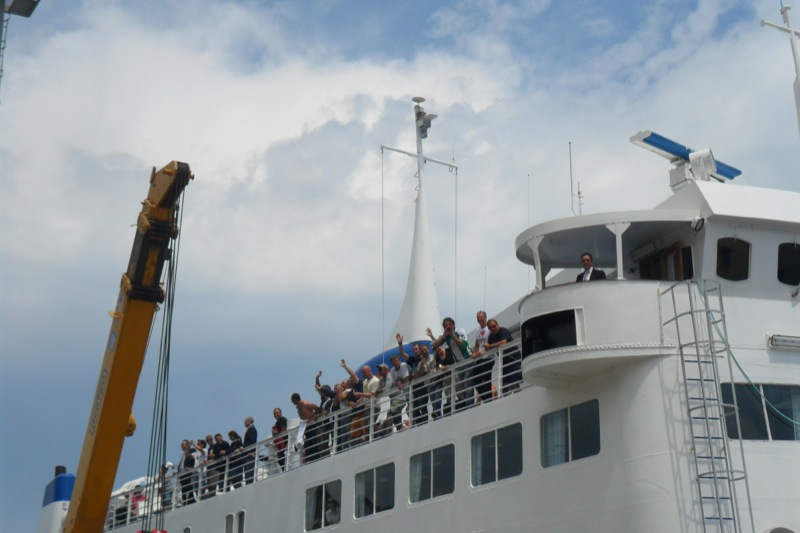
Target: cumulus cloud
<point>281,111</point>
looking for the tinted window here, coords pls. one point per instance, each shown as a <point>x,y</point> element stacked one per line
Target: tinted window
<point>549,331</point>
<point>766,412</point>
<point>374,490</point>
<point>497,455</point>
<point>751,412</point>
<point>585,429</point>
<point>570,434</point>
<point>789,263</point>
<point>323,505</point>
<point>688,262</point>
<point>733,259</point>
<point>432,473</point>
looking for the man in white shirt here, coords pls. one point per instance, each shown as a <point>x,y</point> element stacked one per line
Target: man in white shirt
<point>200,459</point>
<point>398,395</point>
<point>482,369</point>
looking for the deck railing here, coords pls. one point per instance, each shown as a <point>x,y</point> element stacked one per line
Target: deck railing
<point>438,394</point>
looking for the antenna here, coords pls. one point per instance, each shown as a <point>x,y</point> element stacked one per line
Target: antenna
<point>572,194</point>
<point>529,225</point>
<point>420,305</point>
<point>793,36</point>
<point>688,164</point>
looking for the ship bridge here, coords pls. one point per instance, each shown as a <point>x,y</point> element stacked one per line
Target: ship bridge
<point>745,239</point>
<point>613,239</point>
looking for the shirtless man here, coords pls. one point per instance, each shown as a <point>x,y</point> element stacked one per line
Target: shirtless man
<point>305,409</point>
<point>306,434</point>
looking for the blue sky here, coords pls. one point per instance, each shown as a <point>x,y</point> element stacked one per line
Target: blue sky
<point>280,108</point>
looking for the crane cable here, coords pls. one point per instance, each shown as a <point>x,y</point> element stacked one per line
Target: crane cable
<point>162,486</point>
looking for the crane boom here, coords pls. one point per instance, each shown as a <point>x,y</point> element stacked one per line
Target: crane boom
<point>139,295</point>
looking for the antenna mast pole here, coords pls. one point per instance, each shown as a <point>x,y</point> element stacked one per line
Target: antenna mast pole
<point>793,36</point>
<point>572,190</point>
<point>420,308</point>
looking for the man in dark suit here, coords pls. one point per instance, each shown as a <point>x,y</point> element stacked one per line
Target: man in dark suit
<point>250,438</point>
<point>589,272</point>
<point>185,467</point>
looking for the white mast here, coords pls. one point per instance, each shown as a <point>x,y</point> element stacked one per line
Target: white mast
<point>793,35</point>
<point>421,302</point>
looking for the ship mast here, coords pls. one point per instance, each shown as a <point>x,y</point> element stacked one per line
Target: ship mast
<point>793,36</point>
<point>420,308</point>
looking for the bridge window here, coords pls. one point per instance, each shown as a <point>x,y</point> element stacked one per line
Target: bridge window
<point>789,263</point>
<point>323,505</point>
<point>571,434</point>
<point>733,259</point>
<point>497,455</point>
<point>432,473</point>
<point>545,332</point>
<point>375,490</point>
<point>766,412</point>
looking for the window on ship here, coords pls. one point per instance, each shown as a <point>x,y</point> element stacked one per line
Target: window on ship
<point>766,412</point>
<point>323,505</point>
<point>789,263</point>
<point>546,332</point>
<point>374,490</point>
<point>733,259</point>
<point>673,263</point>
<point>497,455</point>
<point>432,473</point>
<point>570,434</point>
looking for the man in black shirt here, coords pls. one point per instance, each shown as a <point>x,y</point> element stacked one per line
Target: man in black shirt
<point>512,366</point>
<point>279,434</point>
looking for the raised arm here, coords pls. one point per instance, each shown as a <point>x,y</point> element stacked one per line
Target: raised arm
<point>436,342</point>
<point>349,370</point>
<point>399,339</point>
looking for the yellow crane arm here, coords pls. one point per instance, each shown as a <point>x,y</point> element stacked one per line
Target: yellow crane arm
<point>139,295</point>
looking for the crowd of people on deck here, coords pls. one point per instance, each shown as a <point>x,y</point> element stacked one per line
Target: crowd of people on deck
<point>199,474</point>
<point>414,393</point>
<point>409,384</point>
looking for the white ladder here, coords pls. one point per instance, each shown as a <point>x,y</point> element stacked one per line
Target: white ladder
<point>693,311</point>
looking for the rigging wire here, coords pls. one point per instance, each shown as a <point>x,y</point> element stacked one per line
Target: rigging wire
<point>383,273</point>
<point>159,487</point>
<point>455,242</point>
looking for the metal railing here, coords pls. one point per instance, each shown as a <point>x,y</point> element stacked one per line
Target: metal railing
<point>440,393</point>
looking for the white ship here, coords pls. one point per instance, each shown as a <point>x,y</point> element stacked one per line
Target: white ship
<point>665,398</point>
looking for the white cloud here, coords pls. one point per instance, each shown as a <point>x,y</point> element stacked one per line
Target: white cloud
<point>281,230</point>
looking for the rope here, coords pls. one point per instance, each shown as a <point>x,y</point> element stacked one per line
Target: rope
<point>158,435</point>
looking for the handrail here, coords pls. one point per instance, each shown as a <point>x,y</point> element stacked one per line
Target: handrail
<point>445,392</point>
